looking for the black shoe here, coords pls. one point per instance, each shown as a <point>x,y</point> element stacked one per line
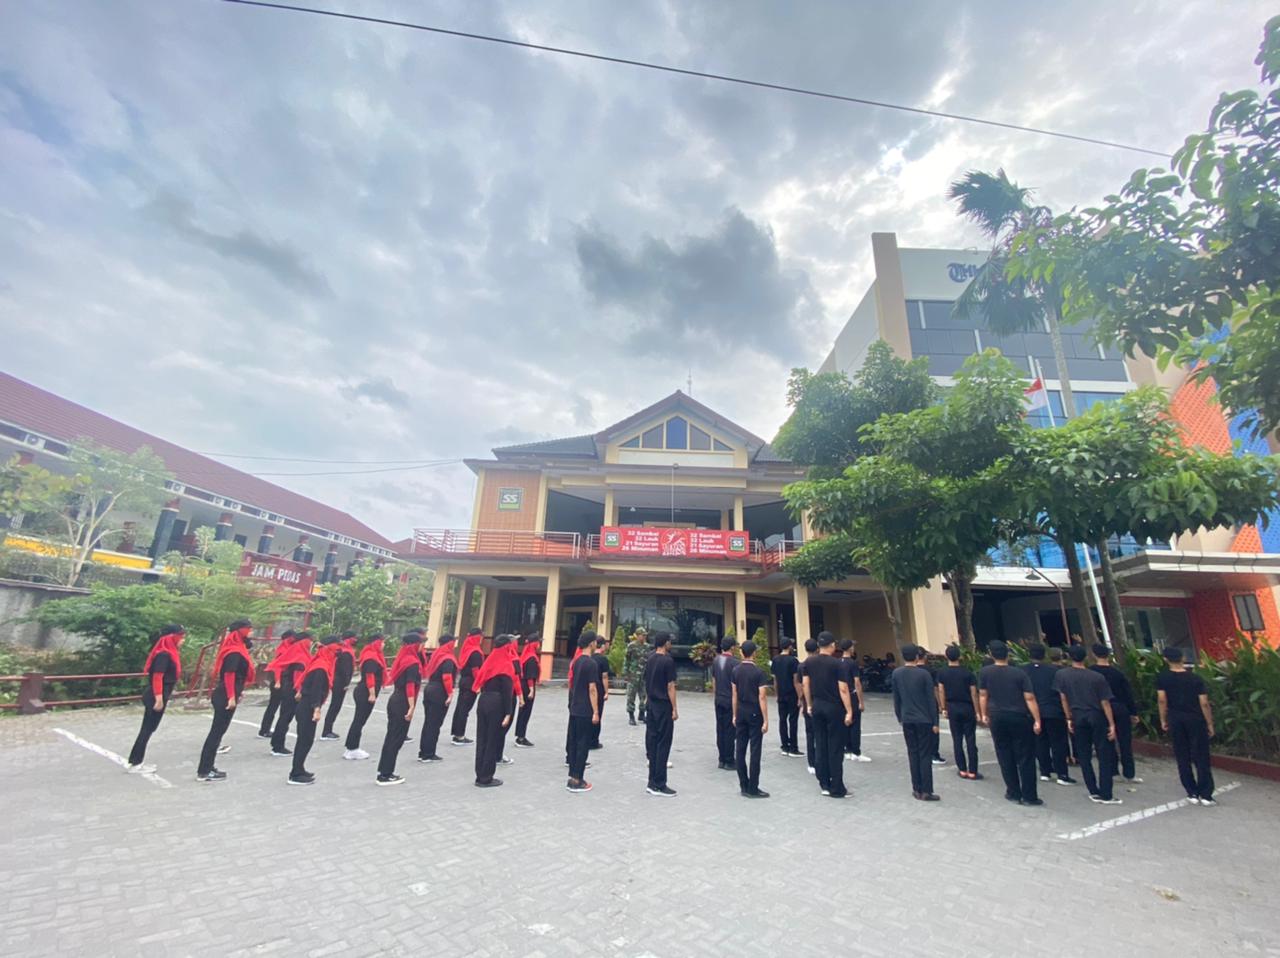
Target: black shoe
<point>462,741</point>
<point>262,734</point>
<point>213,775</point>
<point>596,746</point>
<point>492,783</point>
<point>631,719</point>
<point>930,797</point>
<point>1016,799</point>
<point>329,736</point>
<point>279,752</point>
<point>977,777</point>
<point>390,780</point>
<point>726,765</point>
<point>758,793</point>
<point>430,758</point>
<point>1033,802</point>
<point>662,790</point>
<point>523,743</point>
<point>303,778</point>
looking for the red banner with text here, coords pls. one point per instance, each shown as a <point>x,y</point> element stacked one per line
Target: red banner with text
<point>278,573</point>
<point>670,543</point>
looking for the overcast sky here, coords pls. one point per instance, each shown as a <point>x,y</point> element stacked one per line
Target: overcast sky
<point>263,233</point>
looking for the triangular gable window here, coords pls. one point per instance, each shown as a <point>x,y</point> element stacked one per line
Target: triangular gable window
<point>676,433</point>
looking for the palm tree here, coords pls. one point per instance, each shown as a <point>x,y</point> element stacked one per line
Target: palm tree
<point>1002,210</point>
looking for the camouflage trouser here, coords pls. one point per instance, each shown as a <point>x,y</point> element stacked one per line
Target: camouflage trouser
<point>635,689</point>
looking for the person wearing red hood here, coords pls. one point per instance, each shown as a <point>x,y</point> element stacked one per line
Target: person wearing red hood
<point>406,676</point>
<point>163,668</point>
<point>344,667</point>
<point>313,689</point>
<point>272,668</point>
<point>530,673</point>
<point>469,660</point>
<point>496,684</point>
<point>232,669</point>
<point>373,674</point>
<point>291,665</point>
<point>437,693</point>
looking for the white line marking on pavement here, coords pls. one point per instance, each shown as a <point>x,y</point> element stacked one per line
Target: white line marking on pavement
<point>256,725</point>
<point>1135,816</point>
<point>111,756</point>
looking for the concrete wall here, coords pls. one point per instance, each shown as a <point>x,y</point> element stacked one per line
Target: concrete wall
<point>18,600</point>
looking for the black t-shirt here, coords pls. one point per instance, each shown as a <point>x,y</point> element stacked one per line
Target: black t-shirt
<point>659,671</point>
<point>400,697</point>
<point>504,684</point>
<point>370,668</point>
<point>291,674</point>
<point>468,670</point>
<point>602,664</point>
<point>447,667</point>
<point>785,668</point>
<point>722,676</point>
<point>234,664</point>
<point>315,689</point>
<point>956,683</point>
<point>530,672</point>
<point>1182,692</point>
<point>747,679</point>
<point>585,674</point>
<point>1085,690</point>
<point>1005,686</point>
<point>1121,690</point>
<point>343,667</point>
<point>824,673</point>
<point>164,665</point>
<point>1041,677</point>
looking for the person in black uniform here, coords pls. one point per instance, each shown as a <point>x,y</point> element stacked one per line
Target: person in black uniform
<point>827,698</point>
<point>470,658</point>
<point>437,693</point>
<point>231,670</point>
<point>373,673</point>
<point>958,701</point>
<point>852,675</point>
<point>496,684</point>
<point>290,669</point>
<point>915,704</point>
<point>530,675</point>
<point>661,714</point>
<point>810,738</point>
<point>313,689</point>
<point>1051,746</point>
<point>406,676</point>
<point>1008,707</point>
<point>584,711</point>
<point>162,669</point>
<point>1187,718</point>
<point>344,668</point>
<point>272,668</point>
<point>1125,709</point>
<point>602,686</point>
<point>722,682</point>
<point>786,688</point>
<point>1086,699</point>
<point>750,721</point>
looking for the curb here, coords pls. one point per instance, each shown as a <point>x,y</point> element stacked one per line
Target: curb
<point>1230,763</point>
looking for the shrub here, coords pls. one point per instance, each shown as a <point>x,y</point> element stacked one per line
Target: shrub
<point>617,653</point>
<point>703,654</point>
<point>762,658</point>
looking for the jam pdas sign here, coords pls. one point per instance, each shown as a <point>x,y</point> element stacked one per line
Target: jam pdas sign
<point>675,543</point>
<point>278,573</point>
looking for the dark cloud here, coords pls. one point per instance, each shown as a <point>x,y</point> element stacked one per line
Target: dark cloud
<point>379,389</point>
<point>728,285</point>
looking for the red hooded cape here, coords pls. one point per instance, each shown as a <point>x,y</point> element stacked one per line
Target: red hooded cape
<point>470,644</point>
<point>234,642</point>
<point>501,661</point>
<point>169,644</point>
<point>408,655</point>
<point>323,661</point>
<point>438,658</point>
<point>373,653</point>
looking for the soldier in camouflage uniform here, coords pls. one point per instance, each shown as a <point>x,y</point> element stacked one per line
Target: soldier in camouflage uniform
<point>638,652</point>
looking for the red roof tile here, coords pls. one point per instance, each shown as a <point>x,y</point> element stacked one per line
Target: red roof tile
<point>29,407</point>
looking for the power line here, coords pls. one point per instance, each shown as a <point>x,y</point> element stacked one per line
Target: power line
<point>361,472</point>
<point>720,77</point>
<point>328,462</point>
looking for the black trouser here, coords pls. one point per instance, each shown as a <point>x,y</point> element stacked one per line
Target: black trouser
<point>522,717</point>
<point>435,705</point>
<point>1124,740</point>
<point>511,716</point>
<point>579,737</point>
<point>749,733</point>
<point>1051,746</point>
<point>269,715</point>
<point>724,732</point>
<point>1014,739</point>
<point>288,705</point>
<point>221,722</point>
<point>810,740</point>
<point>1091,736</point>
<point>595,729</point>
<point>461,712</point>
<point>336,699</point>
<point>936,739</point>
<point>964,736</point>
<point>658,728</point>
<point>919,738</point>
<point>1190,735</point>
<point>397,729</point>
<point>853,741</point>
<point>150,722</point>
<point>788,719</point>
<point>491,709</point>
<point>364,708</point>
<point>306,738</point>
<point>828,753</point>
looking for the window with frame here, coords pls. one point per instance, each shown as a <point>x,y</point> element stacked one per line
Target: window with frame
<point>677,434</point>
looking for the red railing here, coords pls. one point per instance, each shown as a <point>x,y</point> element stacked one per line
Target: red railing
<point>497,542</point>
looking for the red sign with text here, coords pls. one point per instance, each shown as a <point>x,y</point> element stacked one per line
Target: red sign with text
<point>675,543</point>
<point>278,573</point>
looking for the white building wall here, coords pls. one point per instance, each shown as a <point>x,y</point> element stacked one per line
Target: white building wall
<point>852,342</point>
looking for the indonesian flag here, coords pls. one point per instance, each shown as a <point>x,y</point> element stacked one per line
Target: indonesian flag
<point>1036,396</point>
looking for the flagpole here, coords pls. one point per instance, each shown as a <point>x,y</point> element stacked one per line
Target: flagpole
<point>1048,403</point>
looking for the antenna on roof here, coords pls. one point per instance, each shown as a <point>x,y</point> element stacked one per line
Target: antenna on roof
<point>691,382</point>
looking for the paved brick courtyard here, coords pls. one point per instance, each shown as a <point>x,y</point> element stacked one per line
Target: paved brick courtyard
<point>98,862</point>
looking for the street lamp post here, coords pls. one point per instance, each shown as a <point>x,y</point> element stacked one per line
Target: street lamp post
<point>674,467</point>
<point>1062,604</point>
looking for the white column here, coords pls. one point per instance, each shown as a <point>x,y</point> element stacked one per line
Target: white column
<point>549,620</point>
<point>439,595</point>
<point>800,595</point>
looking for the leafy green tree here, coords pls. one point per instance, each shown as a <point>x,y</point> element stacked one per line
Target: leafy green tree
<point>762,658</point>
<point>617,653</point>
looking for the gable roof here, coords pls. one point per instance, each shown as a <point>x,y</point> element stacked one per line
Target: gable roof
<point>678,401</point>
<point>569,446</point>
<point>29,407</point>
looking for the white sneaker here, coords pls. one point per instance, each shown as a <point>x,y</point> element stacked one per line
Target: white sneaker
<point>506,760</point>
<point>862,758</point>
<point>1193,799</point>
<point>1044,778</point>
<point>812,770</point>
<point>1106,801</point>
<point>355,755</point>
<point>1208,803</point>
<point>223,749</point>
<point>1133,781</point>
<point>140,769</point>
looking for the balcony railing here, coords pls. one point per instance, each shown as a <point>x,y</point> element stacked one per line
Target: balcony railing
<point>497,542</point>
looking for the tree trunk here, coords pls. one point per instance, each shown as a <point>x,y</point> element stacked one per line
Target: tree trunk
<point>1088,633</point>
<point>962,598</point>
<point>893,609</point>
<point>1054,317</point>
<point>1111,599</point>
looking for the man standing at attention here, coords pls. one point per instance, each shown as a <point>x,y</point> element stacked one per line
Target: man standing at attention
<point>1051,746</point>
<point>827,698</point>
<point>722,682</point>
<point>1187,717</point>
<point>1125,709</point>
<point>958,699</point>
<point>1086,699</point>
<point>916,707</point>
<point>633,663</point>
<point>810,737</point>
<point>1009,708</point>
<point>584,711</point>
<point>786,686</point>
<point>750,721</point>
<point>661,715</point>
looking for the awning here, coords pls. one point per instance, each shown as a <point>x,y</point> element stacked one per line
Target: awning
<point>1199,571</point>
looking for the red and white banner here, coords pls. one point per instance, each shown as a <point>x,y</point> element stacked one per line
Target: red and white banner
<point>278,573</point>
<point>1035,396</point>
<point>694,543</point>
